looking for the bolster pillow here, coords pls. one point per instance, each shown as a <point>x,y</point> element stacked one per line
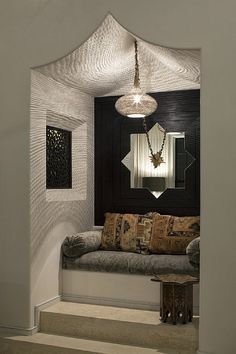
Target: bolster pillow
<point>193,252</point>
<point>81,243</point>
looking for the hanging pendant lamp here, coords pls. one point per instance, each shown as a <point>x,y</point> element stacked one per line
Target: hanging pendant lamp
<point>136,104</point>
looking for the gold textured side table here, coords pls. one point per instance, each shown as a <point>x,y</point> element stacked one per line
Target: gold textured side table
<point>176,297</point>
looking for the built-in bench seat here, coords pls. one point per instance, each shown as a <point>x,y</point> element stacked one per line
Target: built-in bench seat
<point>117,278</point>
<point>82,253</point>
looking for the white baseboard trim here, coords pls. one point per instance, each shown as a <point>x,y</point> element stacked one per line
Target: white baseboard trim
<point>43,306</point>
<point>95,300</point>
<point>19,331</point>
<point>9,330</point>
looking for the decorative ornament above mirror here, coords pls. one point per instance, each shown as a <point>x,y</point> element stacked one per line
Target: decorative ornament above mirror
<point>156,158</point>
<point>136,104</point>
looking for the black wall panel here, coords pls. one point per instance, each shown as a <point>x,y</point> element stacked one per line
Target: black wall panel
<point>178,111</point>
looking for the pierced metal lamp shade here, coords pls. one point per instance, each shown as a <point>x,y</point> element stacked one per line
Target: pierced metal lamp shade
<point>136,104</point>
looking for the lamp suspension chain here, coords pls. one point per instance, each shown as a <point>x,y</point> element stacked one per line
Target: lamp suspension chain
<point>163,142</point>
<point>147,136</point>
<point>136,75</point>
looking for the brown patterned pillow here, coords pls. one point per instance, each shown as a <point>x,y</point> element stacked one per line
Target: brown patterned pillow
<point>136,233</point>
<point>111,232</point>
<point>126,232</point>
<point>144,231</point>
<point>172,234</point>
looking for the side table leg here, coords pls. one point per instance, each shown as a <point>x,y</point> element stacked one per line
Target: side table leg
<point>161,301</point>
<point>174,314</point>
<point>189,301</point>
<point>190,315</point>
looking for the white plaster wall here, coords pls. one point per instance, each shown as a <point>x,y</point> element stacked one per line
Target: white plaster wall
<point>52,221</point>
<point>36,32</point>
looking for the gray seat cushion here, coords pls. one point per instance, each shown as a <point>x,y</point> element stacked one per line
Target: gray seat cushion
<point>131,263</point>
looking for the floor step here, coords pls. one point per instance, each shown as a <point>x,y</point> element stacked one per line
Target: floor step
<point>42,343</point>
<point>117,325</point>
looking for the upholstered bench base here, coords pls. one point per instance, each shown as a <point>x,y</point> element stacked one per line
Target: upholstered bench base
<point>114,289</point>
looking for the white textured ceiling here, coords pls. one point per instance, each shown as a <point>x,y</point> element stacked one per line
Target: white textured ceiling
<point>104,64</point>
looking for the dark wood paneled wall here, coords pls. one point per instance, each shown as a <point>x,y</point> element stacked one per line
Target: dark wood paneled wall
<point>178,111</point>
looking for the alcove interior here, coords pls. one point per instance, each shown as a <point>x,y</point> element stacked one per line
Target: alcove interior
<point>63,95</point>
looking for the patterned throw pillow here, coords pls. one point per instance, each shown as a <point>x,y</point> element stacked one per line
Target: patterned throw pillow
<point>126,232</point>
<point>136,233</point>
<point>111,232</point>
<point>172,234</point>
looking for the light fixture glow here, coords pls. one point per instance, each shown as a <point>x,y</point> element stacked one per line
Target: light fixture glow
<point>136,115</point>
<point>136,104</point>
<point>137,98</point>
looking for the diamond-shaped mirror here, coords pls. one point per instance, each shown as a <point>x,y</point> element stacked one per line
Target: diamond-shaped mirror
<point>170,173</point>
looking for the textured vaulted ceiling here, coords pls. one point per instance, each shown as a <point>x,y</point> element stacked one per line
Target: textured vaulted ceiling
<point>104,64</point>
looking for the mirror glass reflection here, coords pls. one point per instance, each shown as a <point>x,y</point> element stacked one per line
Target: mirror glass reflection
<point>170,173</point>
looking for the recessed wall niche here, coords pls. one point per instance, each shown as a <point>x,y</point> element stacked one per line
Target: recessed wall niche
<point>58,158</point>
<point>72,133</point>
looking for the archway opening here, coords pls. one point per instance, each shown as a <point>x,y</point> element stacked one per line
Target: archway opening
<point>63,95</point>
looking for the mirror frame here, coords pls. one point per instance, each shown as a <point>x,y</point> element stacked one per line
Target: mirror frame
<point>178,111</point>
<point>175,136</point>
